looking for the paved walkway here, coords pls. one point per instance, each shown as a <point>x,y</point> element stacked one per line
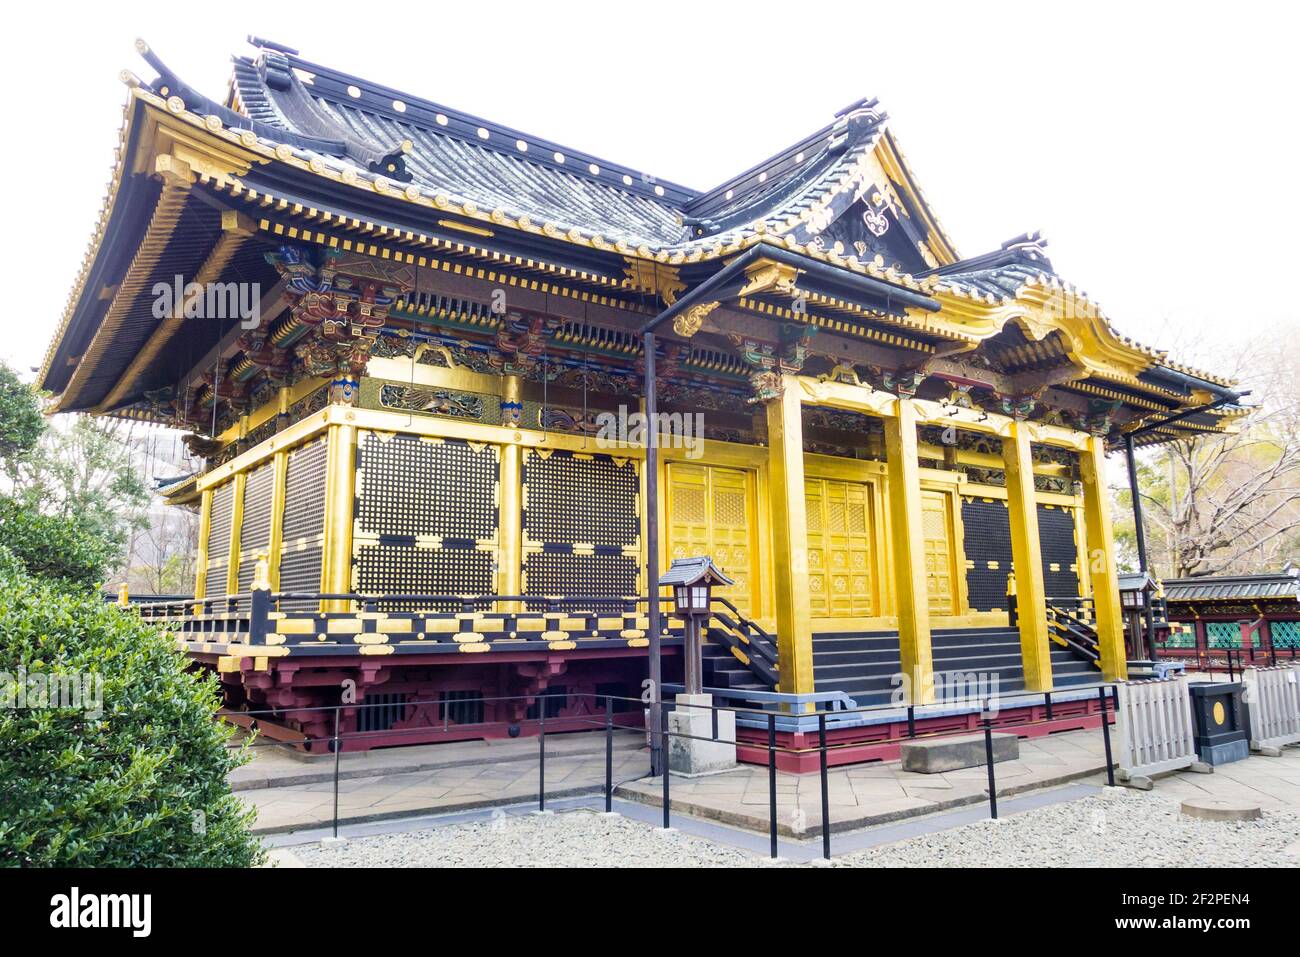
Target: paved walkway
<point>444,789</point>
<point>869,794</point>
<point>1272,783</point>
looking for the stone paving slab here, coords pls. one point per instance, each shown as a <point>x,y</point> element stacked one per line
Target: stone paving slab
<point>1273,783</point>
<point>868,795</point>
<point>311,804</point>
<point>276,765</point>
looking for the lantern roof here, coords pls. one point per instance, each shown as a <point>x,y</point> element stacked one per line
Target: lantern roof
<point>694,571</point>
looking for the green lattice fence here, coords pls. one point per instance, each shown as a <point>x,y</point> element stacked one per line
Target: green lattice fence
<point>1223,634</point>
<point>1285,634</point>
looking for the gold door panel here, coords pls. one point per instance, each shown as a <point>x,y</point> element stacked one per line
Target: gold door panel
<point>711,512</point>
<point>841,574</point>
<point>940,573</point>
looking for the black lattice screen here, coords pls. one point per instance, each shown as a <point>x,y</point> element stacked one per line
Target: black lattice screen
<point>426,516</point>
<point>581,525</point>
<point>304,519</point>
<point>1057,544</point>
<point>255,529</point>
<point>987,533</point>
<point>219,526</point>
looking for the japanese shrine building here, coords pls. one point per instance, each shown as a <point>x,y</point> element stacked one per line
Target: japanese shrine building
<point>450,314</point>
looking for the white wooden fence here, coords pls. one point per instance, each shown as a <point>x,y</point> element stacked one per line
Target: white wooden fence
<point>1154,724</point>
<point>1272,698</point>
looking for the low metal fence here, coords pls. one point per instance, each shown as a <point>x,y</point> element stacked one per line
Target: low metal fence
<point>610,722</point>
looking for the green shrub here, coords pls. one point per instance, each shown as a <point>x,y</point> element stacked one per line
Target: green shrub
<point>141,784</point>
<point>53,547</point>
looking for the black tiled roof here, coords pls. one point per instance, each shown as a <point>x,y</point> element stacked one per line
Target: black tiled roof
<point>1236,587</point>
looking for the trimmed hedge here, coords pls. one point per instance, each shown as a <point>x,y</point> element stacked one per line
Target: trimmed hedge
<point>141,785</point>
<point>53,547</point>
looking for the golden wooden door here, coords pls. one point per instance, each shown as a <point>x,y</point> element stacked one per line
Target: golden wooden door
<point>940,573</point>
<point>841,577</point>
<point>711,512</point>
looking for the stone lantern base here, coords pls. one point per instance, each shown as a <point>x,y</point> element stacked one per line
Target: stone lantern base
<point>698,754</point>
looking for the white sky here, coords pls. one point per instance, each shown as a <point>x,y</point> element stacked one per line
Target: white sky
<point>1154,144</point>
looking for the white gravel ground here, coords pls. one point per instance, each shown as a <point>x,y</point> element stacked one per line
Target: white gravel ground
<point>1118,828</point>
<point>567,839</point>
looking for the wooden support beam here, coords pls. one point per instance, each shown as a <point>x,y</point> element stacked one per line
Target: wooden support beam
<point>1026,556</point>
<point>790,541</point>
<point>1101,560</point>
<point>911,592</point>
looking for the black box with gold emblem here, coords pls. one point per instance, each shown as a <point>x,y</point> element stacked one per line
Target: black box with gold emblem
<point>1220,734</point>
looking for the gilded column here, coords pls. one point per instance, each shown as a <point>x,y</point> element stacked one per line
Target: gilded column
<point>790,541</point>
<point>340,485</point>
<point>510,511</point>
<point>201,554</point>
<point>275,546</point>
<point>907,534</point>
<point>236,525</point>
<point>1027,559</point>
<point>1101,561</point>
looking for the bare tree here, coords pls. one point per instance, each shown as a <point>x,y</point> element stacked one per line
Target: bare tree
<point>1231,504</point>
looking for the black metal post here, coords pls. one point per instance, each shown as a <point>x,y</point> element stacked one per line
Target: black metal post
<point>988,757</point>
<point>337,750</point>
<point>1047,697</point>
<point>714,711</point>
<point>609,754</point>
<point>911,721</point>
<point>541,752</point>
<point>652,553</point>
<point>1105,736</point>
<point>259,615</point>
<point>826,796</point>
<point>771,779</point>
<point>1140,531</point>
<point>663,730</point>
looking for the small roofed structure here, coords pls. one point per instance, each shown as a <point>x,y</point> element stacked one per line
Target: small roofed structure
<point>1256,614</point>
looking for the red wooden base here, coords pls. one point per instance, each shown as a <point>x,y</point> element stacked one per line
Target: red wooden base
<point>433,698</point>
<point>880,742</point>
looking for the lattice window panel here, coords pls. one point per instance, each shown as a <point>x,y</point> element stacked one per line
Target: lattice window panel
<point>1285,634</point>
<point>219,527</point>
<point>413,487</point>
<point>1057,545</point>
<point>1181,638</point>
<point>404,568</point>
<point>1222,634</point>
<point>255,529</point>
<point>568,573</point>
<point>304,519</point>
<point>574,502</point>
<point>987,534</point>
<point>576,499</point>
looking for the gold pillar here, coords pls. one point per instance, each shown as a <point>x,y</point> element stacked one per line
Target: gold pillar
<point>275,546</point>
<point>1101,561</point>
<point>790,541</point>
<point>911,593</point>
<point>236,527</point>
<point>1027,559</point>
<point>510,509</point>
<point>340,483</point>
<point>201,554</point>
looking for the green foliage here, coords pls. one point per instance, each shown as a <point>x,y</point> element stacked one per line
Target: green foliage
<point>54,547</point>
<point>143,782</point>
<point>84,474</point>
<point>21,422</point>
